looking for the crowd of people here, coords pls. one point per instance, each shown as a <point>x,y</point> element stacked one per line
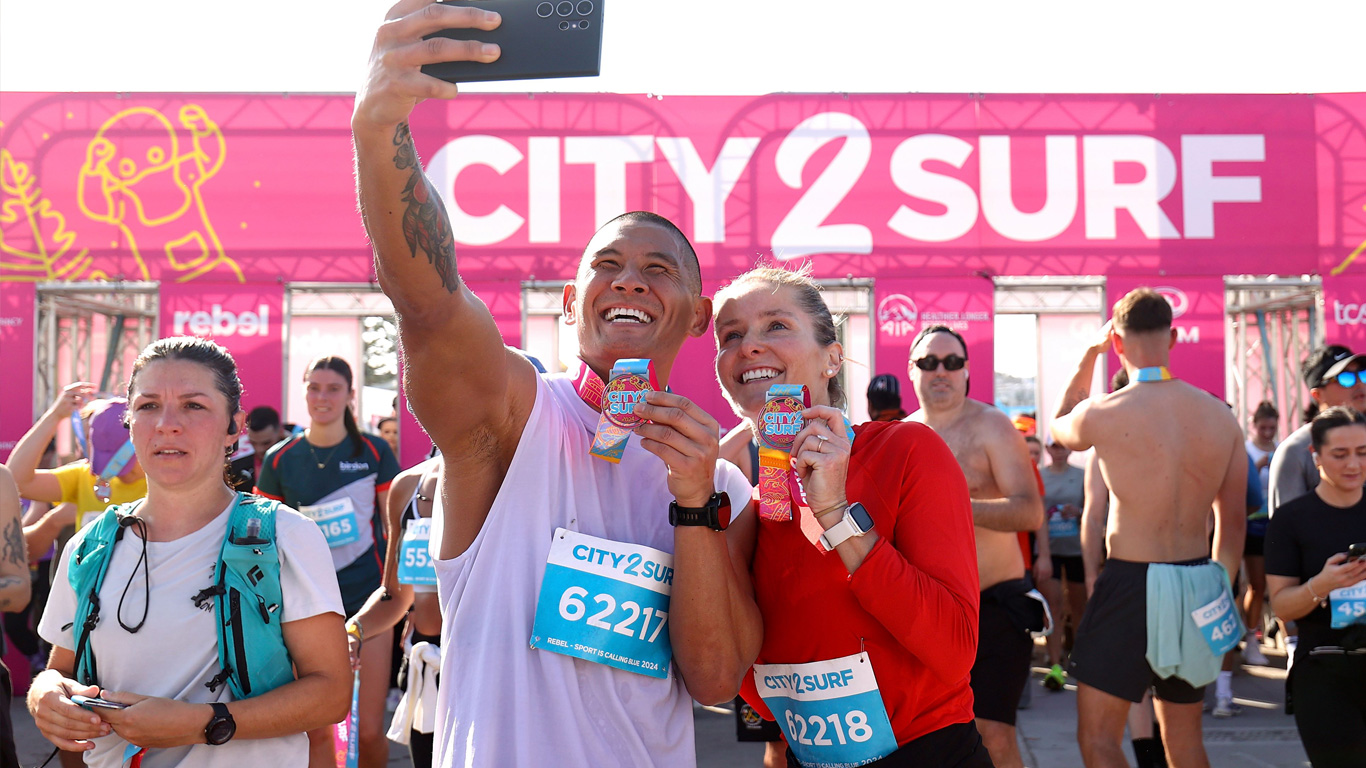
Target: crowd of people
<point>570,576</point>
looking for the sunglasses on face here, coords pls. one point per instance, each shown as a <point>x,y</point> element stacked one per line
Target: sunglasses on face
<point>1348,379</point>
<point>951,363</point>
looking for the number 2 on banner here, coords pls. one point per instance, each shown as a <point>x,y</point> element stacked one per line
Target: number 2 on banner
<point>573,608</point>
<point>803,230</point>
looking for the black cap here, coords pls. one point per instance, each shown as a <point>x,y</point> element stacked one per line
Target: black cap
<point>1327,362</point>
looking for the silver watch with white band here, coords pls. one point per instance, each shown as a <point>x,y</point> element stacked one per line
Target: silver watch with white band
<point>856,522</point>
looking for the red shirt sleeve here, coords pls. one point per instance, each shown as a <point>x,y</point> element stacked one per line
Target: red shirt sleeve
<point>920,580</point>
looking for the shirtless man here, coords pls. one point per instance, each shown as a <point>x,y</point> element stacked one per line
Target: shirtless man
<point>1005,501</point>
<point>518,474</point>
<point>1168,453</point>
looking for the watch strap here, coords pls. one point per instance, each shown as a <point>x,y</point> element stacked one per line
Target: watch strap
<point>221,715</point>
<point>709,515</point>
<point>842,531</point>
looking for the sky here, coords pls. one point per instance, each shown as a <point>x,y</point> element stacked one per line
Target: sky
<point>726,48</point>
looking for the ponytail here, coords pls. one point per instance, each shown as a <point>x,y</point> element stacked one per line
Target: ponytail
<point>357,442</point>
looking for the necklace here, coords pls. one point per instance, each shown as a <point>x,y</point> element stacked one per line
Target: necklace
<point>322,462</point>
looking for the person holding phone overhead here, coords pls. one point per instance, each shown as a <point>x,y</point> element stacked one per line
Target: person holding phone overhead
<point>155,644</point>
<point>339,477</point>
<point>522,489</point>
<point>871,580</point>
<point>1316,576</point>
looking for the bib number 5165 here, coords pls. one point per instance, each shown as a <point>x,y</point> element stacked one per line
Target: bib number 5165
<point>573,607</point>
<point>855,721</point>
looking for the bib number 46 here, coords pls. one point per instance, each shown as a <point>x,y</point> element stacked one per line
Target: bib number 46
<point>573,608</point>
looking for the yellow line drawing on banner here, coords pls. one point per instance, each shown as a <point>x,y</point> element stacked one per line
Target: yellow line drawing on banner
<point>23,207</point>
<point>1351,257</point>
<point>142,182</point>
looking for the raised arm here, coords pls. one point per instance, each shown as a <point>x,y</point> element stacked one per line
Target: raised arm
<point>15,583</point>
<point>467,389</point>
<point>1021,509</point>
<point>42,484</point>
<point>1067,426</point>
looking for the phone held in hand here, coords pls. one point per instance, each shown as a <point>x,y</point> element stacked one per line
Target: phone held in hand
<point>538,39</point>
<point>91,702</point>
<point>1356,552</point>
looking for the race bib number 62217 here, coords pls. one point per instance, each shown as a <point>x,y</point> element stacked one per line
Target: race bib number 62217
<point>607,602</point>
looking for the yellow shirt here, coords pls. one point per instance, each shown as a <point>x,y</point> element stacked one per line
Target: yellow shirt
<point>78,485</point>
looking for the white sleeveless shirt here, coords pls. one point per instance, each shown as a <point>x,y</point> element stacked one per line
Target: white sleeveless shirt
<point>503,704</point>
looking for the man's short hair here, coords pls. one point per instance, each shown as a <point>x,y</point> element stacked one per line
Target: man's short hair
<point>1142,310</point>
<point>690,265</point>
<point>262,417</point>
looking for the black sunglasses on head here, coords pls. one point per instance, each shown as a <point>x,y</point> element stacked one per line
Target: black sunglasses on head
<point>931,362</point>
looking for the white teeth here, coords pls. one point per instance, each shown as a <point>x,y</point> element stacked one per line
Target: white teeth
<point>756,374</point>
<point>624,314</point>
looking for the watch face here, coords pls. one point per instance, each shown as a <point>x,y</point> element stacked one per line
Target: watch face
<point>221,731</point>
<point>723,512</point>
<point>861,517</point>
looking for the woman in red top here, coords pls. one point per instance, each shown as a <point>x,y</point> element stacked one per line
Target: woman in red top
<point>867,647</point>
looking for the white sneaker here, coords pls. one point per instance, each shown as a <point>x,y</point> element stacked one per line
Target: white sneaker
<point>1226,708</point>
<point>1252,653</point>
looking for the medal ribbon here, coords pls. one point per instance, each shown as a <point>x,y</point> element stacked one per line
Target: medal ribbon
<point>779,422</point>
<point>628,376</point>
<point>1154,373</point>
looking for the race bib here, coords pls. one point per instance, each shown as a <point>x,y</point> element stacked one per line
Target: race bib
<point>1219,623</point>
<point>1348,605</point>
<point>1060,527</point>
<point>415,558</point>
<point>830,711</point>
<point>337,519</point>
<point>606,602</point>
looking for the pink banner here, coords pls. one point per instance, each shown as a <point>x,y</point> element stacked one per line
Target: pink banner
<point>1344,310</point>
<point>248,320</point>
<point>904,307</point>
<point>17,341</point>
<point>1198,317</point>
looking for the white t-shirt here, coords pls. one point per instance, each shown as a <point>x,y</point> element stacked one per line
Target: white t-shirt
<point>502,704</point>
<point>175,653</point>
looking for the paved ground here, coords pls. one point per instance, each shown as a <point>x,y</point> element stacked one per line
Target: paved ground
<point>1262,737</point>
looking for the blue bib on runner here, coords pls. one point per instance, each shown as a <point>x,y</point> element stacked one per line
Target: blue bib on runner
<point>415,559</point>
<point>336,518</point>
<point>1219,623</point>
<point>1060,527</point>
<point>606,602</point>
<point>831,712</point>
<point>1348,605</point>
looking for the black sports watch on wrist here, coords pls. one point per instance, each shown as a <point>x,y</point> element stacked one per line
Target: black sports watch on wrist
<point>715,515</point>
<point>221,727</point>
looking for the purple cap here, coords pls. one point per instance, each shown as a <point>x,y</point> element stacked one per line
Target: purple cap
<point>107,432</point>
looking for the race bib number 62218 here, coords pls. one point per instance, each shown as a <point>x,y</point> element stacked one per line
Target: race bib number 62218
<point>607,602</point>
<point>831,712</point>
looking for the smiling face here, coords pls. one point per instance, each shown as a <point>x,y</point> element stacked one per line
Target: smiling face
<point>636,296</point>
<point>1342,457</point>
<point>327,395</point>
<point>178,420</point>
<point>940,389</point>
<point>764,338</point>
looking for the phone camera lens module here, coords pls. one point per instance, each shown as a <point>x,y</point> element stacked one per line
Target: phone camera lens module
<point>564,8</point>
<point>564,25</point>
<point>583,24</point>
<point>585,7</point>
<point>544,10</point>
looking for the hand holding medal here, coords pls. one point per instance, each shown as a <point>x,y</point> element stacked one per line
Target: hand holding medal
<point>820,457</point>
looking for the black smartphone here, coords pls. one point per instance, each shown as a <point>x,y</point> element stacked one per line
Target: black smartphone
<point>1356,551</point>
<point>539,39</point>
<point>90,702</point>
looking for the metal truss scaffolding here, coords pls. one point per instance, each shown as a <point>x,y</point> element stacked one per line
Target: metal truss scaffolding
<point>1273,323</point>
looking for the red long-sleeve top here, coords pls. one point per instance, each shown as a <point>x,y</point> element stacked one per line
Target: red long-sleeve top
<point>912,604</point>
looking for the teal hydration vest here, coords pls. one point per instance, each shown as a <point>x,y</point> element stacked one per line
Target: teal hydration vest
<point>246,592</point>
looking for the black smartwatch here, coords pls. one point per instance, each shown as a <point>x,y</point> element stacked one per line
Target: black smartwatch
<point>715,515</point>
<point>221,726</point>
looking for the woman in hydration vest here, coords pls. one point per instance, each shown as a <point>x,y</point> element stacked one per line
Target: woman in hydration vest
<point>340,478</point>
<point>867,581</point>
<point>163,695</point>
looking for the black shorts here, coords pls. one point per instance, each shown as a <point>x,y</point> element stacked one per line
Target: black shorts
<point>1254,546</point>
<point>1004,649</point>
<point>1069,567</point>
<point>953,746</point>
<point>1110,652</point>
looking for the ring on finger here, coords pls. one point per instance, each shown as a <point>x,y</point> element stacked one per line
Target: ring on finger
<point>822,438</point>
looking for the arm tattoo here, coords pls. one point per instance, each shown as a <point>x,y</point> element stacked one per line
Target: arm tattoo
<point>9,582</point>
<point>12,548</point>
<point>425,225</point>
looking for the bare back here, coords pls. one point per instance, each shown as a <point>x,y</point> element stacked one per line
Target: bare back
<point>1166,450</point>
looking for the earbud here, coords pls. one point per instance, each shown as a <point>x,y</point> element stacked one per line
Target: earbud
<point>232,427</point>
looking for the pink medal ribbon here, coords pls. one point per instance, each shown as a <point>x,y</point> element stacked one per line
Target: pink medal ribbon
<point>780,419</point>
<point>616,402</point>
